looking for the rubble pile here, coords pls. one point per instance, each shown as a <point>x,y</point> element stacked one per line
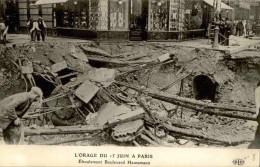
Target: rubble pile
<point>137,94</point>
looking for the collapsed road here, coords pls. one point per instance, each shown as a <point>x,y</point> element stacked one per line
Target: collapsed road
<point>133,94</point>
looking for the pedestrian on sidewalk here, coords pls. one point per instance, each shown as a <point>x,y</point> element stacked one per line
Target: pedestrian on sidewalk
<point>13,108</point>
<point>244,25</point>
<point>240,28</point>
<point>33,28</point>
<point>234,28</point>
<point>254,27</point>
<point>247,28</point>
<point>227,32</point>
<point>42,27</point>
<point>221,31</point>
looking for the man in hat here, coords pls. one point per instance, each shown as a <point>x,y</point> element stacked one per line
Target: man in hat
<point>42,27</point>
<point>13,108</point>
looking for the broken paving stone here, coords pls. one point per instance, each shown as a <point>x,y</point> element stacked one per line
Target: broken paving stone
<point>59,66</point>
<point>164,57</point>
<point>109,111</point>
<point>102,75</point>
<point>86,91</point>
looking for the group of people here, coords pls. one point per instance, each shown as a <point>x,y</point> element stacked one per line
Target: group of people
<point>37,29</point>
<point>242,28</point>
<point>238,28</point>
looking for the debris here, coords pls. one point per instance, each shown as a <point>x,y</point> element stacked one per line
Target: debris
<point>119,62</point>
<point>168,106</point>
<point>59,66</point>
<point>91,117</point>
<point>148,140</point>
<point>150,134</point>
<point>175,82</point>
<point>95,51</point>
<point>27,68</point>
<point>62,130</point>
<point>128,131</point>
<point>182,142</point>
<point>102,75</point>
<point>86,91</point>
<point>197,134</point>
<point>164,57</point>
<point>109,111</point>
<point>129,116</point>
<point>195,104</point>
<point>126,54</point>
<point>136,144</point>
<point>80,56</point>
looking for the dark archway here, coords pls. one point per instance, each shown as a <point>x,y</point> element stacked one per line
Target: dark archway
<point>204,88</point>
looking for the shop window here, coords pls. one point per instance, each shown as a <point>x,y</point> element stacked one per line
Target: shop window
<point>73,14</point>
<point>119,14</point>
<point>158,15</point>
<point>193,15</point>
<point>176,18</point>
<point>98,14</point>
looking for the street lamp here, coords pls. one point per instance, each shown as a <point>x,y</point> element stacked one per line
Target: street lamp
<point>217,6</point>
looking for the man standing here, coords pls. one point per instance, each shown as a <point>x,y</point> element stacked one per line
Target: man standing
<point>42,27</point>
<point>227,32</point>
<point>254,27</point>
<point>247,28</point>
<point>33,28</point>
<point>13,108</point>
<point>240,28</point>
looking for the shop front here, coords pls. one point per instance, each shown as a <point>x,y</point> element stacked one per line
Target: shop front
<point>103,19</point>
<point>180,19</point>
<point>152,20</point>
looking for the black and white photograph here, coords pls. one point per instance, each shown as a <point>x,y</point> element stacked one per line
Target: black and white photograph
<point>170,74</point>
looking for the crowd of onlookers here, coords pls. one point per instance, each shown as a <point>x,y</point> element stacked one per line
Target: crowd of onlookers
<point>243,28</point>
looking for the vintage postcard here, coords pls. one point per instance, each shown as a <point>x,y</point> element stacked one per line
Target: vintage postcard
<point>129,83</point>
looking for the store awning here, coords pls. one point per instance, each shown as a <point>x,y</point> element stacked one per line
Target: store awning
<point>45,2</point>
<point>223,5</point>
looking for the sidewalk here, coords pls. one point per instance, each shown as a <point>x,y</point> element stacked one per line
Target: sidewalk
<point>20,39</point>
<point>237,43</point>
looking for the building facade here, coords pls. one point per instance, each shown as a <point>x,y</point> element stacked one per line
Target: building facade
<point>121,19</point>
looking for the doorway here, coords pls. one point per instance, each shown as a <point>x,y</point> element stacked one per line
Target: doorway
<point>138,19</point>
